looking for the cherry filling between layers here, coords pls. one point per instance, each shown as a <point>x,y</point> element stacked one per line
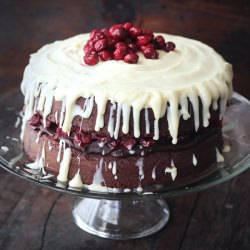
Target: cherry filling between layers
<point>93,142</point>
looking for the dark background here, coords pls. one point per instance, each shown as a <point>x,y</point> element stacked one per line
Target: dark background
<point>35,218</point>
<point>27,25</point>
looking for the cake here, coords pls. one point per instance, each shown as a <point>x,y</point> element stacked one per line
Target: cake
<point>101,119</point>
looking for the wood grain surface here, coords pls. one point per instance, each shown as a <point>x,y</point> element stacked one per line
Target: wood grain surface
<point>35,218</point>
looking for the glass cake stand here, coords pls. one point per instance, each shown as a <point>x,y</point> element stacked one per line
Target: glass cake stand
<point>130,215</point>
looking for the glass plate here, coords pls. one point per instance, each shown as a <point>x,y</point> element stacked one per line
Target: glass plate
<point>236,133</point>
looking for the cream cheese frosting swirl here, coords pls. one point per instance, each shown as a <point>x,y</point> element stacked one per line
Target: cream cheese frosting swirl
<point>192,71</point>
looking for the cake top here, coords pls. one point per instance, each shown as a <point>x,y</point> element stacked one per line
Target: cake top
<point>193,70</point>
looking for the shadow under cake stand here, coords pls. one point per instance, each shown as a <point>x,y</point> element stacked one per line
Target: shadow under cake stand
<point>124,215</point>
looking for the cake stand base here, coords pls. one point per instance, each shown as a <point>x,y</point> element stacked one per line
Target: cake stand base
<point>120,219</point>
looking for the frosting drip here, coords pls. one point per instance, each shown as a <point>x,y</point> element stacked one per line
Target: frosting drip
<point>192,71</point>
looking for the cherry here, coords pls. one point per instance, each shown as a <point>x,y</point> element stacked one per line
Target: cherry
<point>147,142</point>
<point>88,47</point>
<point>112,28</point>
<point>111,43</point>
<point>118,54</point>
<point>96,35</point>
<point>82,138</point>
<point>100,45</point>
<point>118,34</point>
<point>143,40</point>
<point>105,31</point>
<point>36,120</point>
<point>120,45</point>
<point>91,58</point>
<point>127,26</point>
<point>128,143</point>
<point>131,58</point>
<point>133,47</point>
<point>169,46</point>
<point>60,133</point>
<point>148,33</point>
<point>160,42</point>
<point>135,31</point>
<point>142,48</point>
<point>105,55</point>
<point>150,53</point>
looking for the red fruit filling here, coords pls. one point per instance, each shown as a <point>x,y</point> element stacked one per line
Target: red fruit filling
<point>122,42</point>
<point>36,120</point>
<point>88,140</point>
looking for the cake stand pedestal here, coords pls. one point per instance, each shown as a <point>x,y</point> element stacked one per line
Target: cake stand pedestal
<point>120,219</point>
<point>125,215</point>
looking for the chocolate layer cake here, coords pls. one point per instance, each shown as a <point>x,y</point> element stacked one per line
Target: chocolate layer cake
<point>101,114</point>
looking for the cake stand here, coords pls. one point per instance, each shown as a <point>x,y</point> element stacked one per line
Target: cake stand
<point>130,215</point>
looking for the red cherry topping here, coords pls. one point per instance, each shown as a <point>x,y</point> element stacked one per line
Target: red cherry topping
<point>112,28</point>
<point>131,58</point>
<point>148,33</point>
<point>96,35</point>
<point>122,42</point>
<point>160,42</point>
<point>143,40</point>
<point>142,48</point>
<point>127,26</point>
<point>121,45</point>
<point>133,47</point>
<point>105,55</point>
<point>118,34</point>
<point>91,58</point>
<point>170,46</point>
<point>119,54</point>
<point>150,53</point>
<point>88,47</point>
<point>100,45</point>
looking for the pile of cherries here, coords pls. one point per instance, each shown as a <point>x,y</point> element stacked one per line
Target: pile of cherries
<point>122,42</point>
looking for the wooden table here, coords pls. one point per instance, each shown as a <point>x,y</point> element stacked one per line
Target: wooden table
<point>35,218</point>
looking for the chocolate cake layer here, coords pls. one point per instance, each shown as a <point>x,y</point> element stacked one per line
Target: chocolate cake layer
<point>171,166</point>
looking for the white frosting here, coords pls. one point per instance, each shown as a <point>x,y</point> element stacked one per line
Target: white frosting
<point>38,136</point>
<point>50,146</point>
<point>14,139</point>
<point>192,70</point>
<point>4,149</point>
<point>194,160</point>
<point>18,119</point>
<point>226,149</point>
<point>219,156</point>
<point>172,170</point>
<point>39,164</point>
<point>154,173</point>
<point>98,180</point>
<point>76,182</point>
<point>64,166</point>
<point>114,169</point>
<point>140,164</point>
